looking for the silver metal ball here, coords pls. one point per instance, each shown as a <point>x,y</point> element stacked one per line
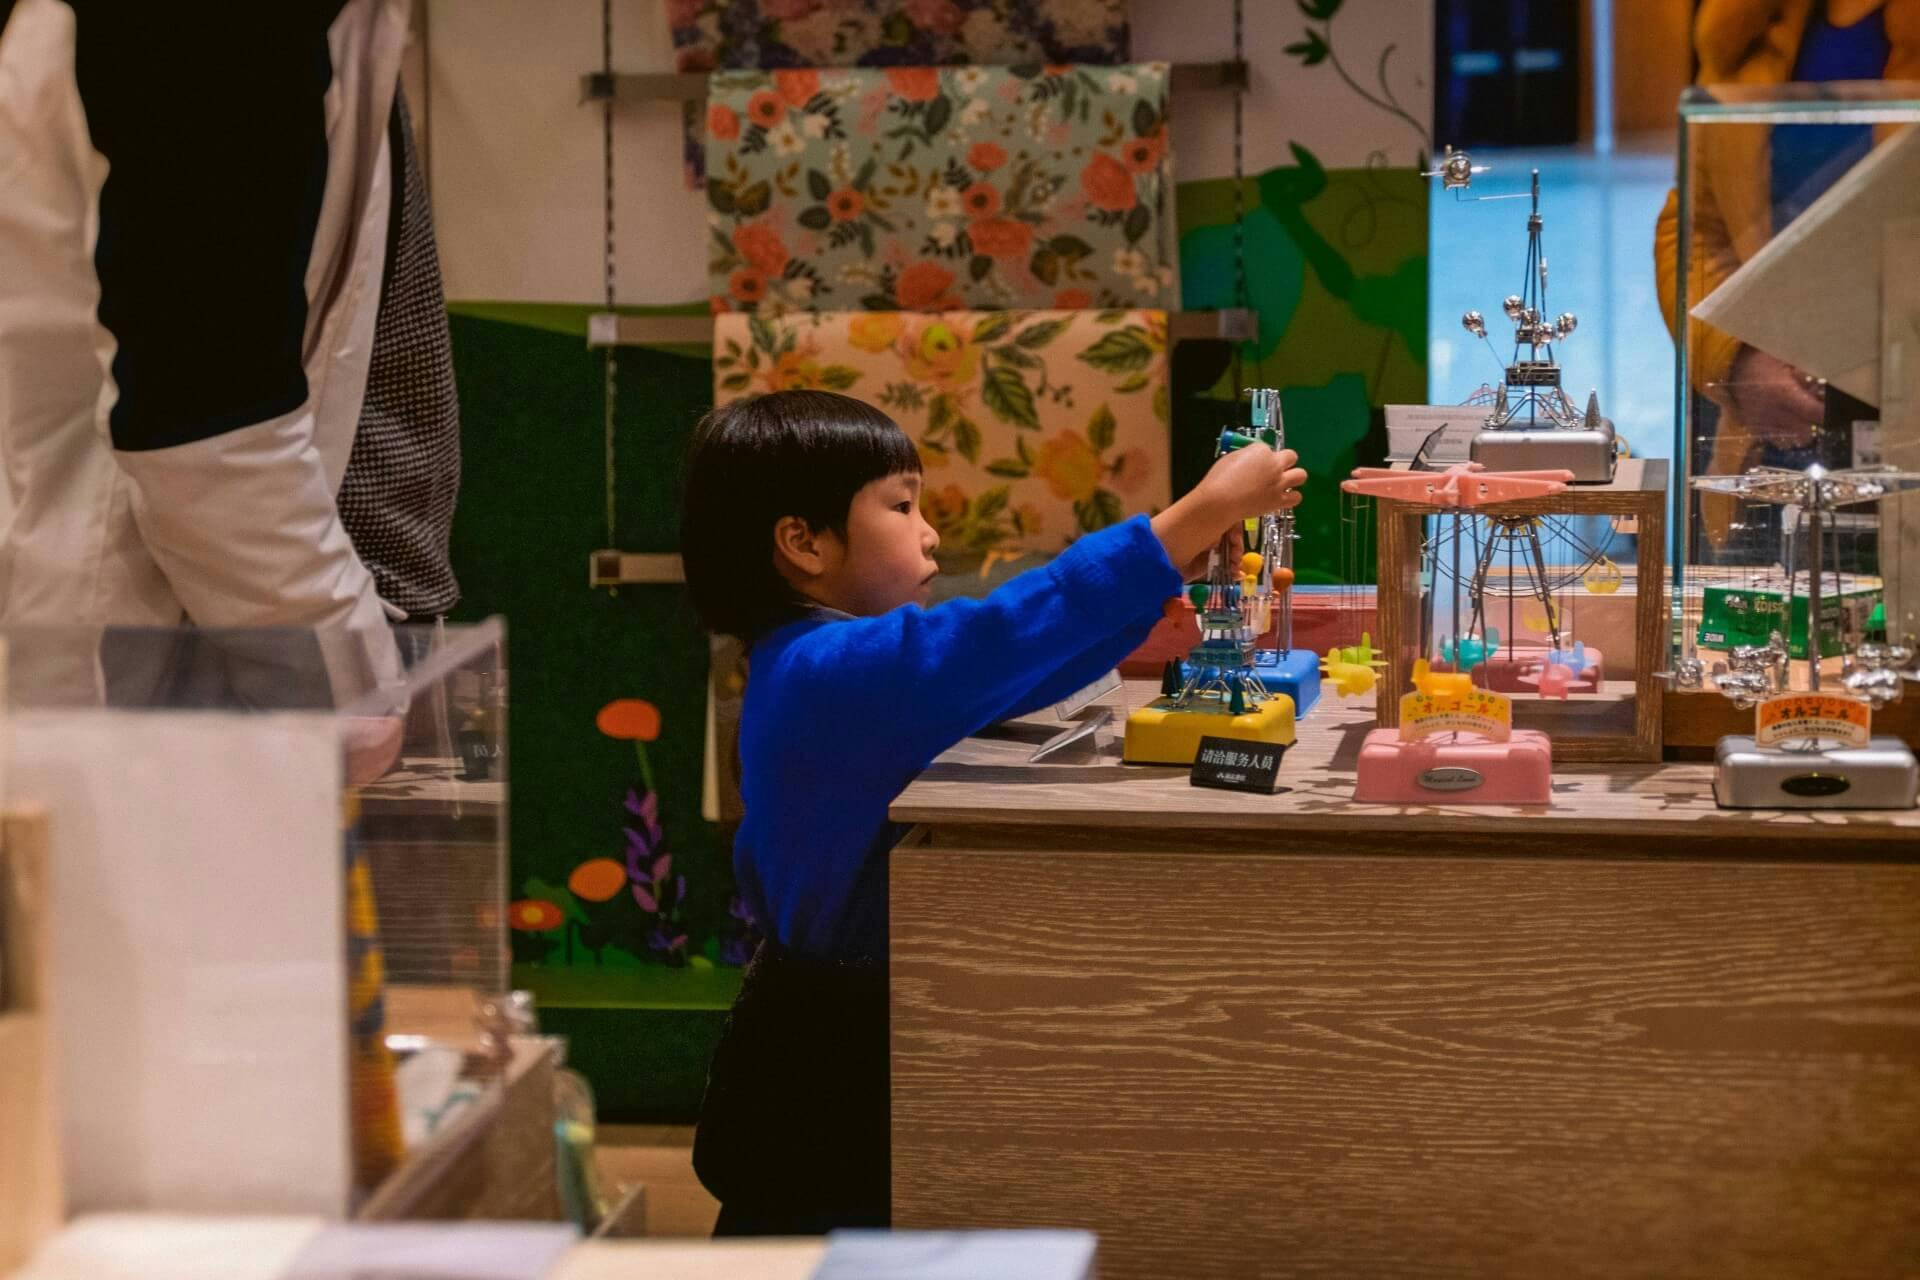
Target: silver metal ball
<point>1474,323</point>
<point>1567,323</point>
<point>1513,306</point>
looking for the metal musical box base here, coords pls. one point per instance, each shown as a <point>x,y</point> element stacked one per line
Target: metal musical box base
<point>1880,775</point>
<point>1588,452</point>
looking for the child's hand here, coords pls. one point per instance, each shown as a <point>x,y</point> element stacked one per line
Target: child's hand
<point>1247,482</point>
<point>1252,481</point>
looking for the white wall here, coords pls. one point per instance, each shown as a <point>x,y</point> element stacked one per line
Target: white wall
<point>516,159</point>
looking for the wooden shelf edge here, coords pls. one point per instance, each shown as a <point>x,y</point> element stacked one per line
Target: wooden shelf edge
<point>691,86</point>
<point>609,568</point>
<point>609,329</point>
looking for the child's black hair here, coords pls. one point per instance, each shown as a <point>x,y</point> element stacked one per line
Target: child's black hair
<point>753,462</point>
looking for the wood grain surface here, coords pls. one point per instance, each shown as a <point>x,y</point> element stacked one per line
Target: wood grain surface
<point>1655,810</point>
<point>1262,1064</point>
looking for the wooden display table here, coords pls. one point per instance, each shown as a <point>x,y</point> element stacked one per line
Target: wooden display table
<point>1241,1035</point>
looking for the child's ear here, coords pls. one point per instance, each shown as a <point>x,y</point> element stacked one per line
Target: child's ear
<point>798,549</point>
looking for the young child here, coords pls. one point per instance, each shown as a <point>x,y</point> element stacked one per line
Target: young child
<point>802,535</point>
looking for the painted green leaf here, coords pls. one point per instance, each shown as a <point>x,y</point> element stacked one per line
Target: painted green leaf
<point>1137,382</point>
<point>1020,447</point>
<point>993,328</point>
<point>735,382</point>
<point>1139,222</point>
<point>720,196</point>
<point>1036,336</point>
<point>817,183</point>
<point>763,337</point>
<point>991,503</point>
<point>755,199</point>
<point>940,413</point>
<point>838,377</point>
<point>815,218</point>
<point>1121,351</point>
<point>1099,511</point>
<point>862,178</point>
<point>1008,395</point>
<point>1045,265</point>
<point>1111,317</point>
<point>1320,10</point>
<point>1016,357</point>
<point>1162,409</point>
<point>1010,468</point>
<point>1070,248</point>
<point>939,111</point>
<point>981,267</point>
<point>1312,51</point>
<point>966,439</point>
<point>1100,429</point>
<point>1144,118</point>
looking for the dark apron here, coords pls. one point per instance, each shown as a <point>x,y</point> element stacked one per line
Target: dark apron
<point>794,1128</point>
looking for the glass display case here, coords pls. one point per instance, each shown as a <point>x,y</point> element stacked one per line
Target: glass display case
<point>1797,570</point>
<point>277,874</point>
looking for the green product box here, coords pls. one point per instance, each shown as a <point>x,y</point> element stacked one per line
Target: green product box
<point>1731,616</point>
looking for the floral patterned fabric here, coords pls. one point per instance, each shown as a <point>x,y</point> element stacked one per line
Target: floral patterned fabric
<point>745,35</point>
<point>941,189</point>
<point>1034,427</point>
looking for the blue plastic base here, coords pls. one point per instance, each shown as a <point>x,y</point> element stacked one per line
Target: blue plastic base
<point>1295,673</point>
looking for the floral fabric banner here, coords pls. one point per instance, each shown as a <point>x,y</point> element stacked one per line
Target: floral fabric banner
<point>941,189</point>
<point>746,35</point>
<point>1035,427</point>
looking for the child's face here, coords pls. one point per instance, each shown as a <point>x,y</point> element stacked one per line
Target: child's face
<point>886,559</point>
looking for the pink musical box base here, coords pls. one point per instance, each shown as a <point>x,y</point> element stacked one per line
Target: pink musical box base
<point>1445,770</point>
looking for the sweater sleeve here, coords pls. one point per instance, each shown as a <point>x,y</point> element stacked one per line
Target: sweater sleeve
<point>1101,657</point>
<point>916,681</point>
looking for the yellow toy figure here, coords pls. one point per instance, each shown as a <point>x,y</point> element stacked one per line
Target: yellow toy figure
<point>1353,669</point>
<point>375,1105</point>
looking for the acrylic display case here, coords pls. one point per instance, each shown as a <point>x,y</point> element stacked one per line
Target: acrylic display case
<point>1793,237</point>
<point>264,863</point>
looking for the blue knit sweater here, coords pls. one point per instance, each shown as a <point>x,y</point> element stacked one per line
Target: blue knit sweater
<point>841,713</point>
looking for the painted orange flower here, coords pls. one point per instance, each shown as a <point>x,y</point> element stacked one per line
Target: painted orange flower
<point>747,285</point>
<point>762,247</point>
<point>1107,183</point>
<point>986,156</point>
<point>923,287</point>
<point>797,86</point>
<point>597,879</point>
<point>915,84</point>
<point>796,371</point>
<point>534,915</point>
<point>944,505</point>
<point>722,123</point>
<point>765,109</point>
<point>981,200</point>
<point>1141,155</point>
<point>717,304</point>
<point>1131,470</point>
<point>1001,237</point>
<point>633,718</point>
<point>940,353</point>
<point>874,330</point>
<point>1069,465</point>
<point>1072,300</point>
<point>846,204</point>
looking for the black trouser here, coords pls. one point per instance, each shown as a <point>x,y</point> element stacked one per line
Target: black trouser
<point>794,1128</point>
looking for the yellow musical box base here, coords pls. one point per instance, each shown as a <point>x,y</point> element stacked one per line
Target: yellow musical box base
<point>1158,734</point>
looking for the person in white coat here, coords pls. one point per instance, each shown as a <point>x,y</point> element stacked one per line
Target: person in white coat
<point>226,396</point>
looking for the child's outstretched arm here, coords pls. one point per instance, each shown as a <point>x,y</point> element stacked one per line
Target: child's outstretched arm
<point>913,682</point>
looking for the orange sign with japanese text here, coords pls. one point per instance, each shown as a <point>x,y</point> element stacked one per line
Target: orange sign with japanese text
<point>1796,717</point>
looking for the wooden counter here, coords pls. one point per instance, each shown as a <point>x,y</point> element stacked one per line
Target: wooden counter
<point>1631,1034</point>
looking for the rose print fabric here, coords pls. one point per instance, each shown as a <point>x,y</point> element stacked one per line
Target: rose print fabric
<point>745,35</point>
<point>1034,426</point>
<point>939,189</point>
